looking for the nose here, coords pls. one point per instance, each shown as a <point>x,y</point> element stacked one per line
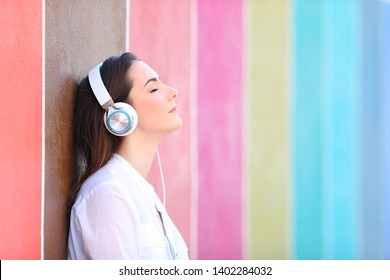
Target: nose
<point>173,93</point>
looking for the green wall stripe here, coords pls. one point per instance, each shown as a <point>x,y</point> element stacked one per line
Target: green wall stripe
<point>268,154</point>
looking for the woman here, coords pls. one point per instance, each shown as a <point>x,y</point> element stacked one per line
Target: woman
<point>122,111</point>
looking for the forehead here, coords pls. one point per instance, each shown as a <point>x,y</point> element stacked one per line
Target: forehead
<point>140,72</point>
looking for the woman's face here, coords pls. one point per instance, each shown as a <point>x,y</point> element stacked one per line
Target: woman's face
<point>154,101</point>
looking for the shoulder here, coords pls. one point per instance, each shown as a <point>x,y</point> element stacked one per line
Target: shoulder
<point>117,183</point>
<point>109,182</point>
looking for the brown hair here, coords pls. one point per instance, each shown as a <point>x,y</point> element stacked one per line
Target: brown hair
<point>93,144</point>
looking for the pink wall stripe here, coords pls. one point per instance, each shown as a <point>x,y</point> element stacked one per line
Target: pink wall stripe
<point>21,141</point>
<point>160,36</point>
<point>220,97</point>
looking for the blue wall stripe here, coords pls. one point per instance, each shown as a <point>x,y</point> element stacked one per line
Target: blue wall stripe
<point>306,134</point>
<point>326,126</point>
<point>384,68</point>
<point>371,221</point>
<point>340,122</point>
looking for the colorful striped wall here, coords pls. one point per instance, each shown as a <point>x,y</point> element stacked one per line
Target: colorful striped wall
<point>339,160</point>
<point>333,104</point>
<point>286,106</point>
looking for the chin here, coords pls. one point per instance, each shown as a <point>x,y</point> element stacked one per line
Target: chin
<point>178,124</point>
<point>170,126</point>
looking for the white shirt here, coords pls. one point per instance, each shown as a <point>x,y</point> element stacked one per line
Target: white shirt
<point>115,217</point>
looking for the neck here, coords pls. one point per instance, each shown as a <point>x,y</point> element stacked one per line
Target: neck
<point>139,150</point>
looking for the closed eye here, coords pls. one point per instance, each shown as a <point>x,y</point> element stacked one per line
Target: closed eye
<point>154,90</point>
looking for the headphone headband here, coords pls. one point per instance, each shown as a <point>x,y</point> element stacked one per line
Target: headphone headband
<point>98,87</point>
<point>120,119</point>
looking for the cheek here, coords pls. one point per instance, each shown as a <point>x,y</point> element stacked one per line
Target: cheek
<point>149,112</point>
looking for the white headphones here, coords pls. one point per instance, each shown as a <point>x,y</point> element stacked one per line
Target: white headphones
<point>120,118</point>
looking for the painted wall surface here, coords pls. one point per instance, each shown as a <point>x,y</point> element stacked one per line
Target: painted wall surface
<point>340,145</point>
<point>219,98</point>
<point>384,131</point>
<point>284,149</point>
<point>21,142</point>
<point>268,129</point>
<point>337,124</point>
<point>72,47</point>
<point>305,129</point>
<point>370,128</point>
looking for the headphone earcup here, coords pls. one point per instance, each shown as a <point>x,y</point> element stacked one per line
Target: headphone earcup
<point>121,119</point>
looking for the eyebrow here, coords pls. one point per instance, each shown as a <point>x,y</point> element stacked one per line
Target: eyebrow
<point>151,80</point>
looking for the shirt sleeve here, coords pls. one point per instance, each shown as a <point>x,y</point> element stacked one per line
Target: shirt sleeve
<point>109,224</point>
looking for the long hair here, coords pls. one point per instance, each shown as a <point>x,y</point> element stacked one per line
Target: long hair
<point>93,144</point>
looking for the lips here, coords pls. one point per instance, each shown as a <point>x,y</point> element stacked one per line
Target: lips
<point>174,109</point>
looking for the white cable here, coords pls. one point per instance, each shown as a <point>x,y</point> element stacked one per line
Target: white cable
<point>161,175</point>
